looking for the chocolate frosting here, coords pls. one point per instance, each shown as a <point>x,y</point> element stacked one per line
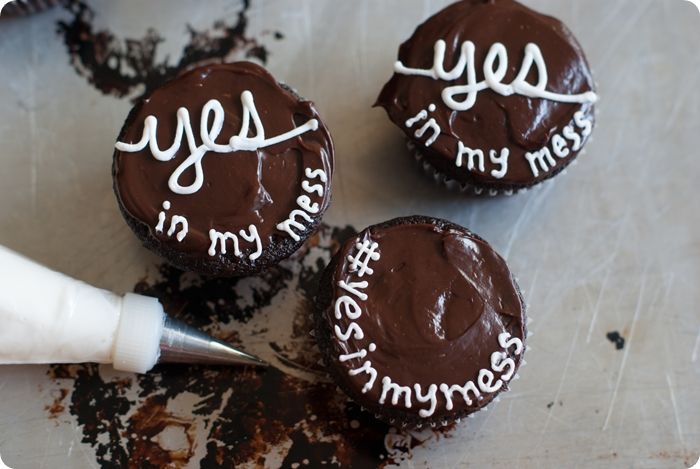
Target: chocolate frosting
<point>437,300</point>
<point>241,188</point>
<point>516,122</point>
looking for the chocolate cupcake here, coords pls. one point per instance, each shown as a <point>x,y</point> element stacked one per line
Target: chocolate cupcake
<point>420,321</point>
<point>223,171</point>
<point>493,96</point>
<point>26,7</point>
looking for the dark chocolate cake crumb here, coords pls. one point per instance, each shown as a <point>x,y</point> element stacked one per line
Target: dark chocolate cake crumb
<point>616,339</point>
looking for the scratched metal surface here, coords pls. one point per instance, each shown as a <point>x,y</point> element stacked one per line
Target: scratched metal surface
<point>612,246</point>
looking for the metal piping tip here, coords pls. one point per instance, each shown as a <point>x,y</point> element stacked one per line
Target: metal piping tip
<point>181,343</point>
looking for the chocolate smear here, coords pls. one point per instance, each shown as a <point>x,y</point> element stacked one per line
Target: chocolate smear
<point>290,415</point>
<point>129,67</point>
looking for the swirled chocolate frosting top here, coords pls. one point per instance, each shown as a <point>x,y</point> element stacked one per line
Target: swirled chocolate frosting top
<point>492,93</point>
<point>224,166</point>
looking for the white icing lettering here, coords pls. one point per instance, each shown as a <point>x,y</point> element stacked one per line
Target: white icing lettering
<point>161,217</point>
<point>559,146</point>
<point>184,226</point>
<point>486,383</point>
<point>221,238</point>
<point>583,123</point>
<point>499,362</point>
<point>349,307</point>
<point>292,222</point>
<point>352,288</point>
<point>292,226</point>
<point>570,134</point>
<point>304,202</point>
<point>471,154</point>
<point>208,136</point>
<point>161,222</point>
<point>253,237</point>
<point>430,396</point>
<point>543,158</point>
<point>493,79</point>
<point>367,369</point>
<point>397,391</point>
<point>353,330</point>
<point>361,354</point>
<point>502,161</point>
<point>315,189</point>
<point>358,264</point>
<point>316,173</point>
<point>174,222</point>
<point>351,356</point>
<point>448,391</point>
<point>506,341</point>
<point>430,125</point>
<point>417,118</point>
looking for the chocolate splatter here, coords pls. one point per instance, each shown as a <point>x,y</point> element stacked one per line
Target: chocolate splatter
<point>57,407</point>
<point>213,417</point>
<point>616,339</point>
<point>129,67</point>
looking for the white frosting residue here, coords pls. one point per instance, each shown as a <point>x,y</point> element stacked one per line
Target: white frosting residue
<point>493,78</point>
<point>208,135</point>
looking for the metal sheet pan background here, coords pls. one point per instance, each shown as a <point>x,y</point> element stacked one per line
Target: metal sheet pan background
<point>612,246</point>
